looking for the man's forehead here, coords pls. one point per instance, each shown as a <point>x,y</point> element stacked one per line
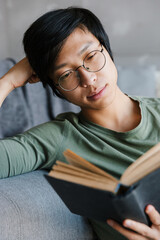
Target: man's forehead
<point>79,37</point>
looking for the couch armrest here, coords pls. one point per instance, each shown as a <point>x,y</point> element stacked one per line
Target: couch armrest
<point>30,209</point>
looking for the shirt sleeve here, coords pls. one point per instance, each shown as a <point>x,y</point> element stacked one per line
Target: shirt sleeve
<point>34,149</point>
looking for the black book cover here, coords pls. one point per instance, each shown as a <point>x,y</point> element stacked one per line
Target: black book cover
<point>102,205</point>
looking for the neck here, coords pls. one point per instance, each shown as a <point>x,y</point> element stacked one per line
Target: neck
<point>121,115</point>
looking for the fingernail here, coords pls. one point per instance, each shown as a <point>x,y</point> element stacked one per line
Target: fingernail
<point>110,223</point>
<point>149,208</point>
<point>127,223</point>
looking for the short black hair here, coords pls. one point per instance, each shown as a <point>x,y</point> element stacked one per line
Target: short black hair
<point>45,37</point>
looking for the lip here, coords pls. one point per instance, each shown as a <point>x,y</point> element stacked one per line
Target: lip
<point>98,94</point>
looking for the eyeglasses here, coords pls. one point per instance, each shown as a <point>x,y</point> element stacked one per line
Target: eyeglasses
<point>93,62</point>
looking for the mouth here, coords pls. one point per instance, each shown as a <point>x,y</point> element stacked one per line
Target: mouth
<point>98,94</point>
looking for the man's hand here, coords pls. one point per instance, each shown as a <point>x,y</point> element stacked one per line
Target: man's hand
<point>20,74</point>
<point>17,76</point>
<point>141,231</point>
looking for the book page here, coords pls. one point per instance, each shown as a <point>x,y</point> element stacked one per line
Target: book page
<point>85,182</point>
<point>80,162</point>
<point>144,165</point>
<point>75,171</point>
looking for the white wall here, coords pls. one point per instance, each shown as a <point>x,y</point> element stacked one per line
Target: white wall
<point>132,25</point>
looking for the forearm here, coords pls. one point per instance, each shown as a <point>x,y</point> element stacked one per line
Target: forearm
<point>4,163</point>
<point>18,156</point>
<point>16,77</point>
<point>5,87</point>
<point>34,149</point>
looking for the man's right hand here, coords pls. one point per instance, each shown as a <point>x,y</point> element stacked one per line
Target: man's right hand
<point>17,76</point>
<point>20,74</point>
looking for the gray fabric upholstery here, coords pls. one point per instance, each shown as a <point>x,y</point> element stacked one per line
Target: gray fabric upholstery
<point>31,210</point>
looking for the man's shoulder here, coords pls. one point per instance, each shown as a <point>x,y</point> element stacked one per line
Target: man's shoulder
<point>148,100</point>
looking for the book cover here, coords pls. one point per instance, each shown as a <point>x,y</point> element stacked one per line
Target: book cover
<point>92,192</point>
<point>102,205</point>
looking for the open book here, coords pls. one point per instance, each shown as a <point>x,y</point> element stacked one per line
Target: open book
<point>87,181</point>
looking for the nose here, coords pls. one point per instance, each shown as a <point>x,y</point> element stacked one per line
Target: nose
<point>86,78</point>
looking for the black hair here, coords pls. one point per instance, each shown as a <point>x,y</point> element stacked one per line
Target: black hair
<point>45,37</point>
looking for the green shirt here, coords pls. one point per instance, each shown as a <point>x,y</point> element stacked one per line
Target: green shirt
<point>41,146</point>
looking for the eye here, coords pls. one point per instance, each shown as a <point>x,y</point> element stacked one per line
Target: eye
<point>65,75</point>
<point>90,56</point>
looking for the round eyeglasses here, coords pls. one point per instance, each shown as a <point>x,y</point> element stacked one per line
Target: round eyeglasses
<point>93,62</point>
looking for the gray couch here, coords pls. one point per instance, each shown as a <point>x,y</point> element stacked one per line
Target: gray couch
<point>29,208</point>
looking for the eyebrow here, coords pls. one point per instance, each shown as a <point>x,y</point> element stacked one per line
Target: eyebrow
<point>85,47</point>
<point>59,66</point>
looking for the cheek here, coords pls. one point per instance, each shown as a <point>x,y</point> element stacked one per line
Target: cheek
<point>73,97</point>
<point>115,74</point>
<point>112,72</point>
<point>110,68</point>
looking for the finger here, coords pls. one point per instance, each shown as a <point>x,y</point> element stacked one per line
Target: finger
<point>153,215</point>
<point>33,79</point>
<point>140,228</point>
<point>127,233</point>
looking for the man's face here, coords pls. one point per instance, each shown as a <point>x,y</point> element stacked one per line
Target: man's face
<point>96,90</point>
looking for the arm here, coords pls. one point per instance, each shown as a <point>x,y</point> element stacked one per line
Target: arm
<point>16,77</point>
<point>34,149</point>
<point>19,154</point>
